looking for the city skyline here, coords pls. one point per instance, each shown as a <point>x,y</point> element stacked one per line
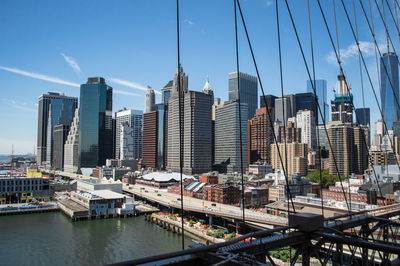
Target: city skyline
<point>61,58</point>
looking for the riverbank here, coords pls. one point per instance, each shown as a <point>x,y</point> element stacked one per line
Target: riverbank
<point>172,223</point>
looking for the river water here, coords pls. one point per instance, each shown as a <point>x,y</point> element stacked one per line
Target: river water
<point>53,239</point>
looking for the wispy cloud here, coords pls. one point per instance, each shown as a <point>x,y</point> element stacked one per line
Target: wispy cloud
<point>269,3</point>
<point>69,83</point>
<point>19,105</point>
<point>367,49</point>
<point>72,63</point>
<point>125,93</point>
<point>130,84</point>
<point>188,21</point>
<point>40,76</point>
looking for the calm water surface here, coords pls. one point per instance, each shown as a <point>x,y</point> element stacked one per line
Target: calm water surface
<point>53,239</point>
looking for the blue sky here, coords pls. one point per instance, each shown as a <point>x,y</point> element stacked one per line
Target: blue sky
<point>56,45</point>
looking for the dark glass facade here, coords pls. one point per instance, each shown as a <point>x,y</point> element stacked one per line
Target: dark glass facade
<point>389,74</point>
<point>60,136</point>
<point>320,87</point>
<point>62,110</point>
<point>269,99</point>
<point>161,146</point>
<point>306,101</point>
<point>363,116</point>
<point>248,91</point>
<point>95,123</point>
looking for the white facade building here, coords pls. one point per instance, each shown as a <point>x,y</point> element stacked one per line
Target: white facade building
<point>126,144</point>
<point>71,146</point>
<point>134,119</point>
<point>305,120</point>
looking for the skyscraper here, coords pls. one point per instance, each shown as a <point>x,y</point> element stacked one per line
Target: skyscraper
<point>281,114</point>
<point>166,92</point>
<point>349,149</point>
<point>260,136</point>
<point>269,99</point>
<point>248,91</point>
<point>150,131</point>
<point>296,157</point>
<point>389,74</point>
<point>150,100</point>
<point>71,147</point>
<point>154,140</point>
<point>306,101</point>
<point>320,87</point>
<point>197,129</point>
<point>363,116</point>
<point>342,109</point>
<point>227,137</point>
<point>95,123</point>
<point>133,119</point>
<point>59,109</point>
<point>306,121</point>
<point>60,136</point>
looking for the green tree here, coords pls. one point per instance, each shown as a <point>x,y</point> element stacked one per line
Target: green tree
<point>230,236</point>
<point>327,178</point>
<point>219,233</point>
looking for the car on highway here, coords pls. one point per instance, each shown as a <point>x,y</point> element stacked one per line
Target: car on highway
<point>159,195</point>
<point>179,199</point>
<point>213,204</point>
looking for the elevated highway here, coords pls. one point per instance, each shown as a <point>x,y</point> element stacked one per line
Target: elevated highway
<point>202,206</point>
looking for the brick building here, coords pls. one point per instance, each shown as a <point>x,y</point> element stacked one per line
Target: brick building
<point>260,136</point>
<point>209,179</point>
<point>226,194</point>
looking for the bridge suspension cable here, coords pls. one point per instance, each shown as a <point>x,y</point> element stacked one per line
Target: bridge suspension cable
<point>240,114</point>
<point>266,104</point>
<point>181,122</point>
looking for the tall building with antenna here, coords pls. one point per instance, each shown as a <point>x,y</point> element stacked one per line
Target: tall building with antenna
<point>389,75</point>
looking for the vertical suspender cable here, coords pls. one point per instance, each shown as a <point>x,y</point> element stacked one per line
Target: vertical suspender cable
<point>397,19</point>
<point>240,113</point>
<point>315,92</point>
<point>316,105</point>
<point>283,102</point>
<point>181,106</point>
<point>340,65</point>
<point>384,22</point>
<point>381,59</point>
<point>359,63</point>
<point>360,52</point>
<point>393,18</point>
<point>262,91</point>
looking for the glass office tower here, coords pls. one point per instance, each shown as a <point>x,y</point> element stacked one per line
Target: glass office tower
<point>61,112</point>
<point>248,91</point>
<point>95,123</point>
<point>389,78</point>
<point>320,87</point>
